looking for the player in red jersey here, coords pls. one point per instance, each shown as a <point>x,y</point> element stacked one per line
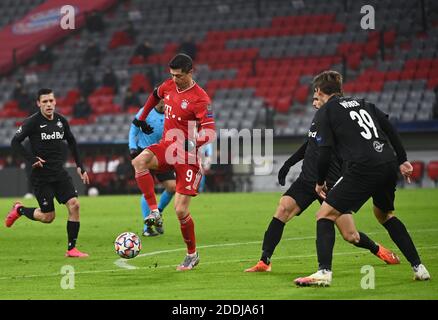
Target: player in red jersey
<point>188,125</point>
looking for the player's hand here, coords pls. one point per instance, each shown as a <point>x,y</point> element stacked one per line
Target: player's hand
<point>39,163</point>
<point>206,163</point>
<point>189,145</point>
<point>146,128</point>
<point>143,126</point>
<point>406,170</point>
<point>83,175</point>
<point>284,170</point>
<point>321,190</point>
<point>133,153</point>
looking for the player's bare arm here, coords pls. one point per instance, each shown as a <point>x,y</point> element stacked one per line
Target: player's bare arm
<point>84,176</point>
<point>406,170</point>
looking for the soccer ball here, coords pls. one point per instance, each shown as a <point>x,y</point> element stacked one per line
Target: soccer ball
<point>93,192</point>
<point>127,245</point>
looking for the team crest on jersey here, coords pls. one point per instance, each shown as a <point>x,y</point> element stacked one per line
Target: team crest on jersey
<point>59,123</point>
<point>19,130</point>
<point>184,104</point>
<point>378,146</point>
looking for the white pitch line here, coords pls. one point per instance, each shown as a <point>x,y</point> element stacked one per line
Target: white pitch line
<point>208,263</point>
<point>204,263</point>
<point>124,263</point>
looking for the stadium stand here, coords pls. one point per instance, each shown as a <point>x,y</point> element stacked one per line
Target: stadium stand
<point>253,57</point>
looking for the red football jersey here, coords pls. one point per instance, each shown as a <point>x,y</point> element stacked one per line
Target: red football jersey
<point>186,110</point>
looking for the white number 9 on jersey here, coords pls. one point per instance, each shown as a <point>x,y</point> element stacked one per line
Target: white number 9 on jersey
<point>189,175</point>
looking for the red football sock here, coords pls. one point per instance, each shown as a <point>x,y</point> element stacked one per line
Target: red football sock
<point>188,232</point>
<point>146,184</point>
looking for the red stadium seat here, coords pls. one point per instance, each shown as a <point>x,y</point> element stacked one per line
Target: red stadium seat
<point>389,38</point>
<point>302,93</point>
<point>135,60</point>
<point>120,38</point>
<point>432,170</point>
<point>417,174</point>
<point>140,83</point>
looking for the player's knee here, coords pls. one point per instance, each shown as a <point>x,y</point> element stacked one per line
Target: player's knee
<point>48,217</point>
<point>352,237</point>
<point>171,188</point>
<point>141,162</point>
<point>284,213</point>
<point>136,163</point>
<point>180,210</point>
<point>73,205</point>
<point>382,216</point>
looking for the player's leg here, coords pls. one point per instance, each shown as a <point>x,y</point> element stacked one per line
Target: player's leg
<point>295,200</point>
<point>169,184</point>
<point>383,201</point>
<point>144,162</point>
<point>66,193</point>
<point>187,226</point>
<point>187,182</point>
<point>401,237</point>
<point>202,184</point>
<point>347,228</point>
<point>168,181</point>
<point>35,214</point>
<point>325,241</point>
<point>166,197</point>
<point>148,231</point>
<point>350,193</point>
<point>73,226</point>
<point>44,194</point>
<point>286,210</point>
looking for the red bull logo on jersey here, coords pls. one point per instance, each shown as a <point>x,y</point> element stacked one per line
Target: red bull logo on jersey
<point>39,21</point>
<point>54,136</point>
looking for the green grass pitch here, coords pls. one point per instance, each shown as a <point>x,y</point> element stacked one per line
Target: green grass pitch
<point>229,230</point>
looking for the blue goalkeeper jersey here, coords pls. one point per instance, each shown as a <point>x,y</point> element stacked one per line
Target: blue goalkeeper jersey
<point>207,150</point>
<point>140,140</point>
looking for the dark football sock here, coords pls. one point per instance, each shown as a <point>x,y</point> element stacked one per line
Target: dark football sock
<point>325,241</point>
<point>72,233</point>
<point>398,233</point>
<point>272,238</point>
<point>367,243</point>
<point>28,212</point>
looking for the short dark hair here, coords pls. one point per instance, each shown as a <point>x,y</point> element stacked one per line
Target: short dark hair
<point>329,82</point>
<point>181,61</point>
<point>43,91</point>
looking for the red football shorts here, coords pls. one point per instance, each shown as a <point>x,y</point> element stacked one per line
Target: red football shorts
<point>188,175</point>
